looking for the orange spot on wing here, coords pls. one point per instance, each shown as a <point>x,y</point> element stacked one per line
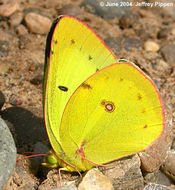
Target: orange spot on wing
<point>81,151</point>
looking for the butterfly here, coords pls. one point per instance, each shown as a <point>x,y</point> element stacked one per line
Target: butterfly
<point>96,108</point>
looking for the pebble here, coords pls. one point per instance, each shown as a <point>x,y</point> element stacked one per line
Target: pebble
<point>70,9</point>
<point>2,100</point>
<point>32,68</point>
<point>94,180</point>
<point>168,53</point>
<point>37,23</point>
<point>114,44</point>
<point>163,33</point>
<point>126,22</point>
<point>125,174</point>
<point>37,80</point>
<point>151,46</point>
<point>173,31</point>
<point>157,177</point>
<point>168,166</point>
<point>8,153</point>
<point>15,100</point>
<point>16,18</point>
<point>153,157</point>
<point>100,8</point>
<point>131,43</point>
<point>9,7</point>
<point>4,48</point>
<point>162,67</point>
<point>154,186</point>
<point>21,30</point>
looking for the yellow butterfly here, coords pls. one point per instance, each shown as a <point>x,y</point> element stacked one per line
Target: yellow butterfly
<point>97,109</point>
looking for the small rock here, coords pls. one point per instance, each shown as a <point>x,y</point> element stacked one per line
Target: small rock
<point>126,22</point>
<point>168,166</point>
<point>153,186</point>
<point>16,19</point>
<point>126,173</point>
<point>153,157</point>
<point>168,52</point>
<point>8,153</point>
<point>114,44</point>
<point>151,46</point>
<point>32,68</point>
<point>173,31</point>
<point>37,23</point>
<point>100,8</point>
<point>21,30</point>
<point>37,80</point>
<point>163,179</point>
<point>163,33</point>
<point>162,67</point>
<point>94,180</point>
<point>4,48</point>
<point>2,99</point>
<point>9,7</point>
<point>14,100</point>
<point>23,41</point>
<point>70,9</point>
<point>131,43</point>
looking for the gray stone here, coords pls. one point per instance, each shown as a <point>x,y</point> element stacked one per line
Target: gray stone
<point>153,186</point>
<point>125,173</point>
<point>102,9</point>
<point>168,52</point>
<point>130,43</point>
<point>7,153</point>
<point>114,44</point>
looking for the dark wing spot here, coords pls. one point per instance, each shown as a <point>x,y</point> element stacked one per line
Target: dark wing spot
<point>121,79</point>
<point>52,52</point>
<point>72,41</point>
<point>63,88</point>
<point>97,70</point>
<point>55,41</point>
<point>145,126</point>
<point>90,58</point>
<point>87,86</point>
<point>139,97</point>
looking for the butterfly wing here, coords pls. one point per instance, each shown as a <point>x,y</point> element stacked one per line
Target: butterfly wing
<point>73,53</point>
<point>115,113</point>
